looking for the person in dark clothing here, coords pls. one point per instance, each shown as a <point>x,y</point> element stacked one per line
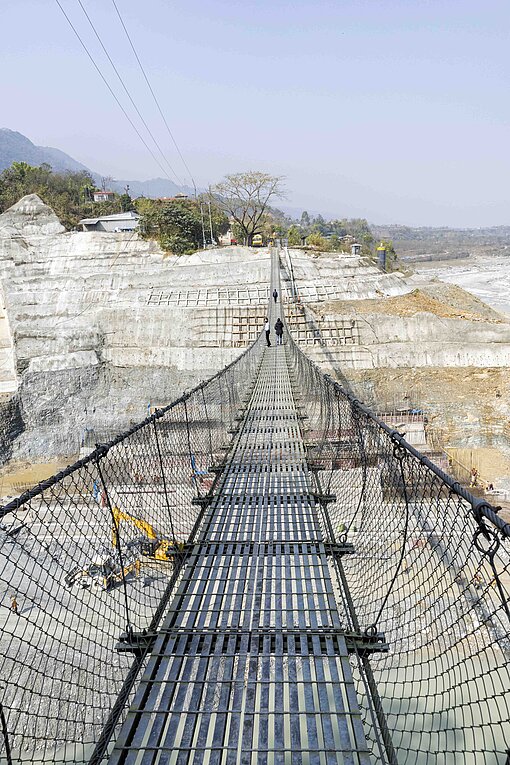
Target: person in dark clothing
<point>275,295</point>
<point>278,328</point>
<point>267,328</point>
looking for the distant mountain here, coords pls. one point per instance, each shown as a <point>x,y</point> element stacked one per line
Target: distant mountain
<point>15,147</point>
<point>156,187</point>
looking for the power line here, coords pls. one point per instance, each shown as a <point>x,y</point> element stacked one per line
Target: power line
<point>154,95</point>
<point>140,136</point>
<point>127,92</point>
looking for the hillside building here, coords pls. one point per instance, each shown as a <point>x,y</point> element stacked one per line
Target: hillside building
<point>124,221</point>
<point>103,196</point>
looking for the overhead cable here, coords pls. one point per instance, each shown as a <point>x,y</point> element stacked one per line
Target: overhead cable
<point>121,80</point>
<point>154,96</point>
<point>156,160</point>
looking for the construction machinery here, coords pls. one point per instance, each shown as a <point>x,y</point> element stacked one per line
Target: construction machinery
<point>151,544</point>
<point>102,573</point>
<point>107,571</point>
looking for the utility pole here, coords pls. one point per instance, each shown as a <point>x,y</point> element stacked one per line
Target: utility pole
<point>210,221</point>
<point>203,227</point>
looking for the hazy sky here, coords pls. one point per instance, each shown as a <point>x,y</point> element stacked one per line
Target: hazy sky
<point>396,110</point>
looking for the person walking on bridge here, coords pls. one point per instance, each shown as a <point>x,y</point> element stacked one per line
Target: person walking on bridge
<point>275,295</point>
<point>267,328</point>
<point>278,328</point>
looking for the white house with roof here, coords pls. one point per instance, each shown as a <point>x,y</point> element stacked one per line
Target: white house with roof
<point>103,196</point>
<point>123,221</point>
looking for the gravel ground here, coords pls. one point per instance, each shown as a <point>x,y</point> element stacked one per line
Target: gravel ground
<point>486,277</point>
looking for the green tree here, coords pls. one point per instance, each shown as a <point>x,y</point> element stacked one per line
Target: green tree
<point>180,225</point>
<point>294,236</point>
<point>69,194</point>
<point>335,243</point>
<point>339,228</point>
<point>319,225</point>
<point>126,203</point>
<point>87,192</point>
<point>305,219</point>
<point>176,225</point>
<point>360,230</point>
<point>317,241</point>
<point>144,205</point>
<point>244,198</point>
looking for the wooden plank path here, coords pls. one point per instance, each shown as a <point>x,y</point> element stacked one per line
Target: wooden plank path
<point>250,666</point>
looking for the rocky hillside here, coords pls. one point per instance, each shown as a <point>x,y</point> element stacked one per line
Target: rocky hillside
<point>408,342</point>
<point>98,326</point>
<point>95,328</point>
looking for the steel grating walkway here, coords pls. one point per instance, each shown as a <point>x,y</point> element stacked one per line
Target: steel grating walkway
<point>250,665</point>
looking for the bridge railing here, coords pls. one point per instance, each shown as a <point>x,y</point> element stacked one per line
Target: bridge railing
<point>94,553</point>
<point>430,569</point>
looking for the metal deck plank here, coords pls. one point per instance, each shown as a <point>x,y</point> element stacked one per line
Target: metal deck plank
<point>226,692</point>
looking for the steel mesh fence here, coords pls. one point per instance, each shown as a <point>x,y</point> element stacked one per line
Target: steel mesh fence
<point>429,569</point>
<point>88,560</point>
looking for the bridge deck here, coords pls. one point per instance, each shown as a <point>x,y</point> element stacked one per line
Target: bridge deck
<point>250,665</point>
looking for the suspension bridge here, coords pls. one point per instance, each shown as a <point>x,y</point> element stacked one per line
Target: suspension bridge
<point>260,572</point>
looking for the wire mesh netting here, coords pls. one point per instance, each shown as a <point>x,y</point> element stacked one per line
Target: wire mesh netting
<point>94,553</point>
<point>429,569</point>
<point>91,558</point>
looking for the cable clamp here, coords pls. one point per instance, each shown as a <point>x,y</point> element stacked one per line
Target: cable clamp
<point>137,643</point>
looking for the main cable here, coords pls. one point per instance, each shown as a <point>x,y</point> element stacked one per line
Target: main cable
<point>127,92</point>
<point>156,160</point>
<point>154,96</point>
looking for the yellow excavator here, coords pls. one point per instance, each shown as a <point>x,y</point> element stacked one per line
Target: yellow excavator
<point>106,572</point>
<point>151,544</point>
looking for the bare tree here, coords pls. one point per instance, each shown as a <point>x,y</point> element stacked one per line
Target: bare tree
<point>245,198</point>
<point>106,182</point>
